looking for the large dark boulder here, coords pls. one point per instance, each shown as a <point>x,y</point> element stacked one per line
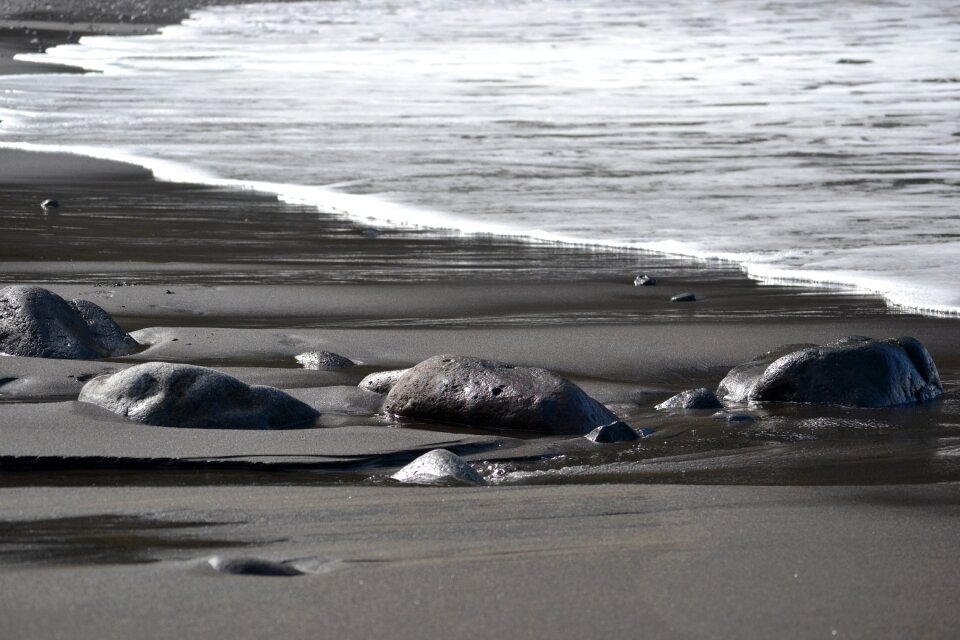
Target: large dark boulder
<point>493,394</point>
<point>853,371</point>
<point>38,323</point>
<point>180,395</point>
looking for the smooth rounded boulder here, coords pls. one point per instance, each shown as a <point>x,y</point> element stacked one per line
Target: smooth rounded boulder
<point>381,381</point>
<point>855,371</point>
<point>179,395</point>
<point>439,467</point>
<point>36,322</point>
<point>691,399</point>
<point>484,393</point>
<point>324,361</point>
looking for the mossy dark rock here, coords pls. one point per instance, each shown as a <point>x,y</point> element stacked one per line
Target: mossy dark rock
<point>483,393</point>
<point>38,323</point>
<point>855,371</point>
<point>179,395</point>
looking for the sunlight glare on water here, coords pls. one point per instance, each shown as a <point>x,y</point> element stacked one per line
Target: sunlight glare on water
<point>813,140</point>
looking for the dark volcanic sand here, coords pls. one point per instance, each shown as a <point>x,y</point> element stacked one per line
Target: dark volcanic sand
<point>107,524</point>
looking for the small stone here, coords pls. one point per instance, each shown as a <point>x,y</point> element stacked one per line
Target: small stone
<point>370,233</point>
<point>324,361</point>
<point>50,204</point>
<point>169,292</point>
<point>684,297</point>
<point>253,567</point>
<point>644,280</point>
<point>381,381</point>
<point>609,433</point>
<point>734,419</point>
<point>439,467</point>
<point>692,399</point>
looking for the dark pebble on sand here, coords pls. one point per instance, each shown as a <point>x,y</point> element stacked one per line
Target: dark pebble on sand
<point>50,204</point>
<point>684,297</point>
<point>643,280</point>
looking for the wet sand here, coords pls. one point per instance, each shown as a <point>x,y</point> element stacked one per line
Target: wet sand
<point>107,524</point>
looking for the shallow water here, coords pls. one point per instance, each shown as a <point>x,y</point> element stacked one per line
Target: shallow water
<point>815,140</point>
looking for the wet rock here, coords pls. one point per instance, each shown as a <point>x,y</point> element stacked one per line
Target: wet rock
<point>38,323</point>
<point>734,419</point>
<point>684,297</point>
<point>382,381</point>
<point>253,567</point>
<point>483,393</point>
<point>854,371</point>
<point>50,204</point>
<point>324,361</point>
<point>643,280</point>
<point>179,395</point>
<point>609,433</point>
<point>104,330</point>
<point>439,467</point>
<point>692,399</point>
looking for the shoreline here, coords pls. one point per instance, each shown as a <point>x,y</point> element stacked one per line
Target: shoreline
<point>810,521</point>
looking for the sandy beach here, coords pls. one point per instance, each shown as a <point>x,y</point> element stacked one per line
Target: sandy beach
<point>811,522</point>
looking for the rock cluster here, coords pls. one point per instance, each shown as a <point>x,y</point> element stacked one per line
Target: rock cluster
<point>179,395</point>
<point>38,323</point>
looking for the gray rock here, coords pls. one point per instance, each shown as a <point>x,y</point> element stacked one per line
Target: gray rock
<point>692,399</point>
<point>253,567</point>
<point>478,392</point>
<point>50,204</point>
<point>382,381</point>
<point>853,371</point>
<point>324,361</point>
<point>734,419</point>
<point>38,323</point>
<point>684,297</point>
<point>609,433</point>
<point>179,395</point>
<point>104,330</point>
<point>439,467</point>
<point>643,280</point>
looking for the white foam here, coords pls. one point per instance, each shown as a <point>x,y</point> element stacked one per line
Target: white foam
<point>720,131</point>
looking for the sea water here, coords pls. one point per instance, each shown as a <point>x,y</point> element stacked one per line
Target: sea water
<point>808,140</point>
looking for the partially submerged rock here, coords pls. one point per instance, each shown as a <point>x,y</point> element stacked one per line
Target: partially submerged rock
<point>734,419</point>
<point>324,361</point>
<point>483,393</point>
<point>691,399</point>
<point>179,395</point>
<point>381,381</point>
<point>439,467</point>
<point>609,433</point>
<point>643,280</point>
<point>854,371</point>
<point>38,323</point>
<point>684,297</point>
<point>253,567</point>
